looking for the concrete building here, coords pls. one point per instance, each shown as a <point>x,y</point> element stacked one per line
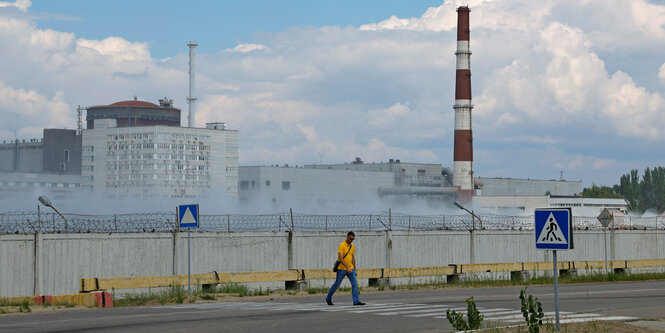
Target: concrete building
<point>62,152</point>
<point>22,156</point>
<point>526,187</point>
<point>588,206</point>
<point>405,174</point>
<point>59,152</point>
<point>171,161</point>
<point>518,204</point>
<point>19,184</point>
<point>510,195</point>
<point>311,187</point>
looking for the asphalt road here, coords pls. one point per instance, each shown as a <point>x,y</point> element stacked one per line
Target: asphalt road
<point>386,311</point>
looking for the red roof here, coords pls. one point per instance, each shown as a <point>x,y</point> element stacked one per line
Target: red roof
<point>138,104</point>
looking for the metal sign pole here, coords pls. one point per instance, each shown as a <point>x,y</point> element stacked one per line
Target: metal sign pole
<point>555,271</point>
<point>605,238</point>
<point>189,266</point>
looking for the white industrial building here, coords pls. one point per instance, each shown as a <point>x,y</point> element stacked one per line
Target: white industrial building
<point>518,204</point>
<point>310,187</point>
<point>406,174</point>
<point>176,162</point>
<point>523,187</point>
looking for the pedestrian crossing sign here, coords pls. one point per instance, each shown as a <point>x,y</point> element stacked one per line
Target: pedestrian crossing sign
<point>188,216</point>
<point>554,228</point>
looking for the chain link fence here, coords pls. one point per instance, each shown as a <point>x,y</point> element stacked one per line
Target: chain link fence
<point>32,222</point>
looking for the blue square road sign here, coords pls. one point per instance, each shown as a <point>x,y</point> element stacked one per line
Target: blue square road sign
<point>554,228</point>
<point>188,216</point>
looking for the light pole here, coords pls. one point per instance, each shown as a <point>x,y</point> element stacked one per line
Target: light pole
<point>473,216</point>
<point>46,202</point>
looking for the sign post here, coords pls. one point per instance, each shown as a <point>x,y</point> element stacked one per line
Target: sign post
<point>554,231</point>
<point>188,217</point>
<point>605,218</point>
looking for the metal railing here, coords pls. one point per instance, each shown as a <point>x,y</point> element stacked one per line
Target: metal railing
<point>32,222</point>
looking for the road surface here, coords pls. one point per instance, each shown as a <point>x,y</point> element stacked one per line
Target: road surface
<point>386,311</point>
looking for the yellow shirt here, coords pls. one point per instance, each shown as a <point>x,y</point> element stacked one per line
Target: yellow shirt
<point>343,248</point>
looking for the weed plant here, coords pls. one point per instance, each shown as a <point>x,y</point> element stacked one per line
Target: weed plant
<point>474,319</point>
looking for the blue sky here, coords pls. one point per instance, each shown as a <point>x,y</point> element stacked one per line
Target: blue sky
<point>558,85</point>
<point>216,25</point>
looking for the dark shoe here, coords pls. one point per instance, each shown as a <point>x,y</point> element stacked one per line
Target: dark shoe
<point>329,302</point>
<point>359,303</point>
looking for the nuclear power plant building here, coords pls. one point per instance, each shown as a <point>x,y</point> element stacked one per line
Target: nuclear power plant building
<point>138,148</point>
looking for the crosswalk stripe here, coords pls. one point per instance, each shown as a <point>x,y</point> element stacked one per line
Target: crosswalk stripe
<point>500,313</point>
<point>316,307</point>
<point>433,314</point>
<point>390,308</point>
<point>411,311</point>
<point>580,320</point>
<point>521,317</point>
<point>577,317</point>
<point>344,308</point>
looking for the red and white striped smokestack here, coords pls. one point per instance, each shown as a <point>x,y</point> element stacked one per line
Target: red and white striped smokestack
<point>463,153</point>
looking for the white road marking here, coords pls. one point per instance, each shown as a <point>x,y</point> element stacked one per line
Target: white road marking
<point>414,310</point>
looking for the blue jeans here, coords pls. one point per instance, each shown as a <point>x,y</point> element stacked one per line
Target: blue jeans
<point>354,284</point>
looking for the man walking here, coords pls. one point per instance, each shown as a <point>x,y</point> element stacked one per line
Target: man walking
<point>347,267</point>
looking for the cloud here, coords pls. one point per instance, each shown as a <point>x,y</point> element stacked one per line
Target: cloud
<point>23,5</point>
<point>21,107</point>
<point>547,97</point>
<point>245,48</point>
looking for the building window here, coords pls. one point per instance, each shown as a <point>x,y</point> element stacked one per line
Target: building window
<point>286,186</point>
<point>267,183</point>
<point>62,166</point>
<point>66,155</point>
<point>244,185</point>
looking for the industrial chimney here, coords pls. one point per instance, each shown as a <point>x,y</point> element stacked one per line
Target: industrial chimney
<point>463,151</point>
<point>192,72</point>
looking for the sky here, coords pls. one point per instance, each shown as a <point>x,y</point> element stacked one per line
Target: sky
<point>558,85</point>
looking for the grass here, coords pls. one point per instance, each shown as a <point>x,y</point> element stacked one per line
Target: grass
<point>173,294</point>
<point>178,294</point>
<point>26,305</point>
<point>488,282</point>
<point>22,306</point>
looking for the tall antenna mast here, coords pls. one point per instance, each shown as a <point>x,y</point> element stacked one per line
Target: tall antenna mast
<point>79,120</point>
<point>192,72</point>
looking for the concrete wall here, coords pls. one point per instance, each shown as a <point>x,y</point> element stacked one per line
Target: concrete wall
<point>16,265</point>
<point>21,157</point>
<point>55,263</point>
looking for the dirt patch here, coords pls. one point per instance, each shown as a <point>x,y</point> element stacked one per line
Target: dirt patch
<point>592,326</point>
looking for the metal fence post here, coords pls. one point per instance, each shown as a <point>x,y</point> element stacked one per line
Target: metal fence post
<point>291,212</point>
<point>326,222</point>
<point>390,219</point>
<point>370,223</point>
<point>228,222</point>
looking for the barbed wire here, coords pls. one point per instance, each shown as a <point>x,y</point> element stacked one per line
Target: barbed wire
<point>33,222</point>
